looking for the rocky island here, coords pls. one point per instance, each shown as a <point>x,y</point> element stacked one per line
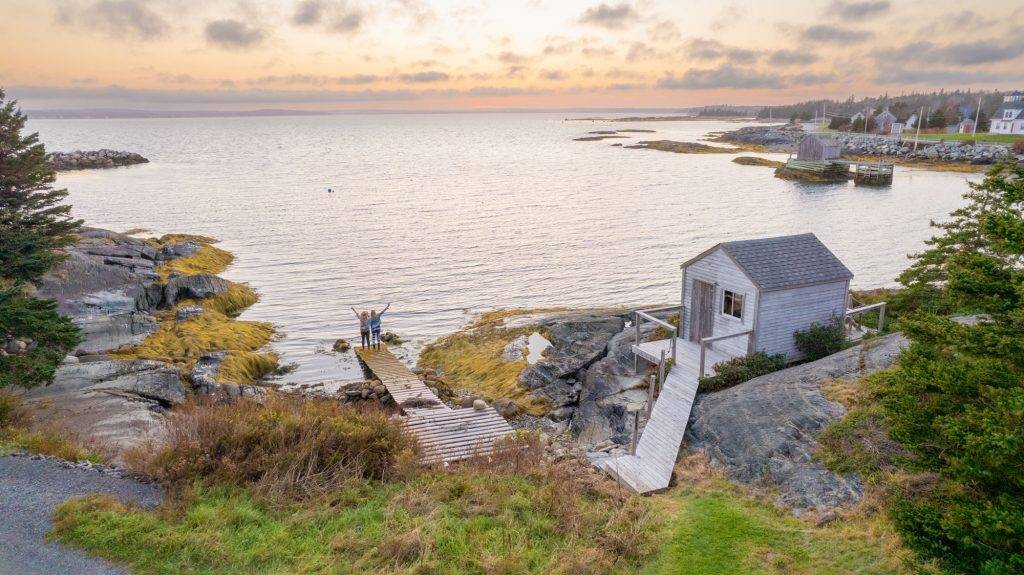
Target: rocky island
<point>94,159</point>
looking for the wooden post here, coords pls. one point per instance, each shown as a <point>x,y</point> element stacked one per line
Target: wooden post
<point>920,118</point>
<point>650,395</point>
<point>636,433</point>
<point>661,369</point>
<point>636,358</point>
<point>881,317</point>
<point>703,345</point>
<point>977,116</point>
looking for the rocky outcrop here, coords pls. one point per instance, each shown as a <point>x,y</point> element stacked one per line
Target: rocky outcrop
<point>609,390</point>
<point>203,378</point>
<point>93,159</point>
<point>108,286</point>
<point>577,341</point>
<point>113,405</point>
<point>192,287</point>
<point>762,432</point>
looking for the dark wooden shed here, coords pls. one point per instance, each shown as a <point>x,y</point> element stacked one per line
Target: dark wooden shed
<point>814,148</point>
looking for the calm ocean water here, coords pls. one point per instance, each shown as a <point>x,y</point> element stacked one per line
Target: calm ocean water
<point>449,215</point>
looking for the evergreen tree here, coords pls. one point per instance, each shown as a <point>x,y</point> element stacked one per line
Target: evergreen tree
<point>938,119</point>
<point>34,224</point>
<point>984,122</point>
<point>34,221</point>
<point>956,397</point>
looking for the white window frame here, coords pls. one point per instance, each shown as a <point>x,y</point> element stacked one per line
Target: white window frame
<point>1007,114</point>
<point>743,305</point>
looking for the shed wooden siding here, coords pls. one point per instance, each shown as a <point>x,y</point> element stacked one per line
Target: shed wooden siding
<point>718,268</point>
<point>815,149</point>
<point>784,312</point>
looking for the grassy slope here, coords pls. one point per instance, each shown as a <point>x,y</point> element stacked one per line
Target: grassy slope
<point>1002,138</point>
<point>717,532</point>
<point>467,522</point>
<point>472,523</point>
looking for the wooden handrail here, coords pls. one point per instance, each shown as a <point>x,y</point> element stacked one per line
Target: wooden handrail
<point>646,315</point>
<point>704,341</point>
<point>880,306</point>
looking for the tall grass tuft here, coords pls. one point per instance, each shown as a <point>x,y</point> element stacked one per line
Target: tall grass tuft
<point>283,448</point>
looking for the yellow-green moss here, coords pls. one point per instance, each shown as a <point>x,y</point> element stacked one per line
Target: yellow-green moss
<point>208,260</point>
<point>182,343</point>
<point>471,360</point>
<point>232,302</point>
<point>241,367</point>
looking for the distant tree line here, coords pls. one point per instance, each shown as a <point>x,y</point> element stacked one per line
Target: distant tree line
<point>941,108</point>
<point>724,111</point>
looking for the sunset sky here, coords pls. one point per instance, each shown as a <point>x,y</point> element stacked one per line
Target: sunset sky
<point>422,54</point>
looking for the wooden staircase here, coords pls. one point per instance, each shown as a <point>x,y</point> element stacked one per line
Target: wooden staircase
<point>650,469</point>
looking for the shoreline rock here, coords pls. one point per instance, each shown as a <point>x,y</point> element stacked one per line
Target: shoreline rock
<point>787,138</point>
<point>93,160</point>
<point>763,432</point>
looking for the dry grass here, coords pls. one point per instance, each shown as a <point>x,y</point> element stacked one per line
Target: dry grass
<point>283,448</point>
<point>471,360</point>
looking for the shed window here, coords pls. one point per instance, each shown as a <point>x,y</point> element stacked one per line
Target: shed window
<point>732,304</point>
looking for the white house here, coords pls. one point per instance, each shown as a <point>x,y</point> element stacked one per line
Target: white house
<point>1009,118</point>
<point>771,287</point>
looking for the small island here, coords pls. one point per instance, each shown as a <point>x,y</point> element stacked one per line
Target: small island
<point>94,160</point>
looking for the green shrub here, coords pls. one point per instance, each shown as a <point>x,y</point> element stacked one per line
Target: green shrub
<point>740,369</point>
<point>36,319</point>
<point>821,340</point>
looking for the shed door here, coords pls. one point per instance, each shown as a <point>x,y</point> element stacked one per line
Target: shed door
<point>702,303</point>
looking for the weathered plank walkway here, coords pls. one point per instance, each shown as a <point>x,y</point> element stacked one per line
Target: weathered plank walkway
<point>444,434</point>
<point>650,469</point>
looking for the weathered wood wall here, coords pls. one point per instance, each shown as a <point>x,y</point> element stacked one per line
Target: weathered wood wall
<point>718,268</point>
<point>784,312</point>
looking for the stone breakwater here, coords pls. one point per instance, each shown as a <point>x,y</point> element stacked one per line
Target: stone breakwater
<point>785,139</point>
<point>94,159</point>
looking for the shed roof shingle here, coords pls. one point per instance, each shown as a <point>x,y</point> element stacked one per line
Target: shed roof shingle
<point>787,261</point>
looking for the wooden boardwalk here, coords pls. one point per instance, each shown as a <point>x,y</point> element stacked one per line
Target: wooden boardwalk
<point>650,469</point>
<point>444,434</point>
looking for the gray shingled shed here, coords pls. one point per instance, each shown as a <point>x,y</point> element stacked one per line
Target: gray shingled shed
<point>769,287</point>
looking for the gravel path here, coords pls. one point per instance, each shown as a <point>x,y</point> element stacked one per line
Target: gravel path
<point>29,490</point>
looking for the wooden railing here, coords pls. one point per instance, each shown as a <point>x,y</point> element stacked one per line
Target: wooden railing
<point>706,340</point>
<point>880,306</point>
<point>645,315</point>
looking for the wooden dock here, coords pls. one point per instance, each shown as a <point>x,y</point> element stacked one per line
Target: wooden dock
<point>445,434</point>
<point>873,174</point>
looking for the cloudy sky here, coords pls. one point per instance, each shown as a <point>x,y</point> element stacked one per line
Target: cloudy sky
<point>412,54</point>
